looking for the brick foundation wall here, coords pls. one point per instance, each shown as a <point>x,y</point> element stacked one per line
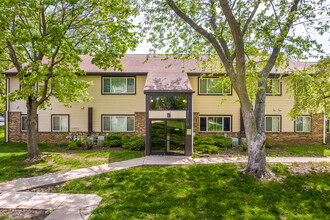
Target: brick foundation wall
<point>15,134</point>
<point>315,137</point>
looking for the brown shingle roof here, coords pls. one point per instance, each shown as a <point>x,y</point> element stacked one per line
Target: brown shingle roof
<point>159,77</point>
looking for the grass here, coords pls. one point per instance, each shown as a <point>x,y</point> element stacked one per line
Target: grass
<point>13,164</point>
<point>204,192</point>
<point>285,151</point>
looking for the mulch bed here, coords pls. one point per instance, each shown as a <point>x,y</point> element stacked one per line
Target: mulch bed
<point>34,214</point>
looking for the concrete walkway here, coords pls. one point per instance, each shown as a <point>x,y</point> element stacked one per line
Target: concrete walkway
<point>80,206</point>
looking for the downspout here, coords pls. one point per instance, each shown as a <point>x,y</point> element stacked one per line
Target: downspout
<point>7,108</point>
<point>324,129</point>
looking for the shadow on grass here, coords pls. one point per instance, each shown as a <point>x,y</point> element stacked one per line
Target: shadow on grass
<point>204,192</point>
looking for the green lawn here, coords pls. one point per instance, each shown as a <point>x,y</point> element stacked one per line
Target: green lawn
<point>13,164</point>
<point>204,192</point>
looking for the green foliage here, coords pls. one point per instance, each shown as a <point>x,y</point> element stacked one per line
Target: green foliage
<point>73,145</point>
<point>81,143</point>
<point>206,149</point>
<point>133,143</point>
<point>63,143</point>
<point>218,191</point>
<point>310,89</point>
<point>268,144</point>
<point>221,141</point>
<point>244,145</point>
<point>203,140</point>
<point>112,140</point>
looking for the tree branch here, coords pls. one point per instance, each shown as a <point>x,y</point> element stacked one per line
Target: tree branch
<point>250,18</point>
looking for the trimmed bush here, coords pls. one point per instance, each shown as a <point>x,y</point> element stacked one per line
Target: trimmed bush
<point>80,143</point>
<point>112,140</point>
<point>203,140</point>
<point>73,145</point>
<point>133,143</point>
<point>221,141</point>
<point>63,143</point>
<point>268,144</point>
<point>206,149</point>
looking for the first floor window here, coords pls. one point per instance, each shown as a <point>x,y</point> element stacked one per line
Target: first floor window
<point>272,123</point>
<point>118,123</point>
<point>303,124</point>
<point>60,122</point>
<point>24,122</point>
<point>214,123</point>
<point>328,125</point>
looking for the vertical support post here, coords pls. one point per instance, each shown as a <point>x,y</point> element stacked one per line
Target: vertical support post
<point>7,110</point>
<point>148,132</point>
<point>189,142</point>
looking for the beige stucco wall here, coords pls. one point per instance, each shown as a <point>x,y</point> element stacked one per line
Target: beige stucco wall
<point>210,105</point>
<point>102,104</point>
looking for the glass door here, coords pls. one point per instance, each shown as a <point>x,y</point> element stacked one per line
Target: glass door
<point>158,136</point>
<point>175,136</point>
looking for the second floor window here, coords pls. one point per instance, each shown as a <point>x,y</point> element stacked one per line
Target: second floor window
<point>214,86</point>
<point>273,87</point>
<point>303,124</point>
<point>118,85</point>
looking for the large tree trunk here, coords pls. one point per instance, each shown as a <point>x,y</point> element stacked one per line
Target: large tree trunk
<point>32,130</point>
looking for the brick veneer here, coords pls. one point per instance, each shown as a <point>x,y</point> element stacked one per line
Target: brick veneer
<point>280,138</point>
<point>15,135</point>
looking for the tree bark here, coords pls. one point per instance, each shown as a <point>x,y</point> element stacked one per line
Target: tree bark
<point>32,130</point>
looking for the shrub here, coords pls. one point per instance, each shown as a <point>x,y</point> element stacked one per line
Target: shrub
<point>206,149</point>
<point>133,143</point>
<point>63,143</point>
<point>268,144</point>
<point>112,140</point>
<point>80,143</point>
<point>222,141</point>
<point>73,145</point>
<point>203,140</point>
<point>244,145</point>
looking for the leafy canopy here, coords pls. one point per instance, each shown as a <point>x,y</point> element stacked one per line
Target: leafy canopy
<point>44,38</point>
<point>263,23</point>
<point>310,89</point>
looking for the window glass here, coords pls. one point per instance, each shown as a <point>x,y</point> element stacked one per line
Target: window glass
<point>214,123</point>
<point>158,102</point>
<point>168,102</point>
<point>60,123</point>
<point>118,123</point>
<point>106,85</point>
<point>303,124</point>
<point>307,124</point>
<point>24,123</point>
<point>118,85</point>
<point>177,102</point>
<point>202,124</point>
<point>226,124</point>
<point>276,124</point>
<point>203,85</point>
<point>273,86</point>
<point>269,123</point>
<point>328,125</point>
<point>214,86</point>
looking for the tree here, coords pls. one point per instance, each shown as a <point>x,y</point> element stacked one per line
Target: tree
<point>250,38</point>
<point>310,89</point>
<point>43,40</point>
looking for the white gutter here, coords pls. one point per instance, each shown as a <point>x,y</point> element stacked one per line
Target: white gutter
<point>324,128</point>
<point>7,108</point>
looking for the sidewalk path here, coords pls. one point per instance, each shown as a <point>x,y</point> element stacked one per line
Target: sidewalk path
<point>80,206</point>
<point>56,178</point>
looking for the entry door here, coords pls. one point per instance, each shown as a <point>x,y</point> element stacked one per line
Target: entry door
<point>168,136</point>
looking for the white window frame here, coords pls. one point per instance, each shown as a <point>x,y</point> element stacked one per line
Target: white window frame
<point>279,121</point>
<point>103,78</point>
<point>217,116</point>
<point>279,89</point>
<point>110,116</point>
<point>310,120</point>
<point>207,86</point>
<point>22,123</point>
<point>67,116</point>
